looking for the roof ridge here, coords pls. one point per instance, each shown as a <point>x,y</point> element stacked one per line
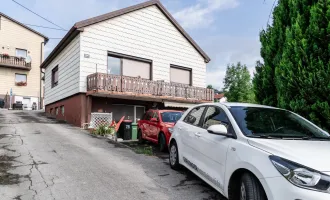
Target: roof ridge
<point>24,26</point>
<point>78,26</point>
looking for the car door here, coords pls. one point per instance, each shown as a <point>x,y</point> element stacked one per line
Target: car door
<point>154,126</point>
<point>188,127</point>
<point>145,124</point>
<point>213,148</point>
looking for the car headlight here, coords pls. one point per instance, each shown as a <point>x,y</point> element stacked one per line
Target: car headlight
<point>302,176</point>
<point>171,129</point>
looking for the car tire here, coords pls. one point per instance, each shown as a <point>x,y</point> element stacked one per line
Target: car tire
<point>174,156</point>
<point>250,188</point>
<point>162,142</point>
<point>140,138</point>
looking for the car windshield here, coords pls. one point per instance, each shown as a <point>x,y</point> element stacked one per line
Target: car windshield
<point>171,116</point>
<point>274,123</point>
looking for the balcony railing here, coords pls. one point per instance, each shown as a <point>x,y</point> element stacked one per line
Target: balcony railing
<point>14,62</point>
<point>115,84</point>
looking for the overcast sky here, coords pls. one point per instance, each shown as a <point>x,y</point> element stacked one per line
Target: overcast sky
<point>227,30</point>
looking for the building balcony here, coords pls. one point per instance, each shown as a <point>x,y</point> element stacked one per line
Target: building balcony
<point>14,62</point>
<point>108,85</point>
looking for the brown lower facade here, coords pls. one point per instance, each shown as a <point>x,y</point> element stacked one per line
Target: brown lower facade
<point>71,109</point>
<point>77,109</point>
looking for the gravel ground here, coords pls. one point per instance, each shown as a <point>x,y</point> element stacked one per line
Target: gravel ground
<point>41,158</point>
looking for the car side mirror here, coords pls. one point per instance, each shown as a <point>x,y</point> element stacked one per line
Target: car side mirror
<point>154,119</point>
<point>219,129</point>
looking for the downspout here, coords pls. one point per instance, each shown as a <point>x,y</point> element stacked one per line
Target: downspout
<point>41,55</point>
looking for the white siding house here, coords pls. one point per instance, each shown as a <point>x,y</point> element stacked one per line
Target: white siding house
<point>68,63</point>
<point>134,56</point>
<point>145,33</point>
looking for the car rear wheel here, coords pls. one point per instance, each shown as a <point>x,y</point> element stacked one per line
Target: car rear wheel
<point>251,189</point>
<point>174,156</point>
<point>162,142</point>
<point>140,138</point>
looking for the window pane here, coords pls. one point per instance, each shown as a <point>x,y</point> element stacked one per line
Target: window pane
<point>114,65</point>
<point>268,121</point>
<point>21,53</point>
<point>139,112</point>
<point>194,116</point>
<point>171,116</point>
<point>136,68</point>
<point>215,115</point>
<point>20,78</point>
<point>56,76</point>
<point>180,75</point>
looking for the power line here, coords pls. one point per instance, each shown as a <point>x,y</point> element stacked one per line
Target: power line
<point>38,26</point>
<point>38,15</point>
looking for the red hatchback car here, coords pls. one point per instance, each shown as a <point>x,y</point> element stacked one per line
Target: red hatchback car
<point>155,125</point>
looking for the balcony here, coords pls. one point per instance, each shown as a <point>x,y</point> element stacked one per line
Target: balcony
<point>14,62</point>
<point>100,84</point>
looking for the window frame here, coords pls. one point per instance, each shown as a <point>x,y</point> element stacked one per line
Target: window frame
<point>23,50</point>
<point>182,68</point>
<point>25,78</point>
<point>54,70</point>
<point>129,57</point>
<point>202,116</point>
<point>229,125</point>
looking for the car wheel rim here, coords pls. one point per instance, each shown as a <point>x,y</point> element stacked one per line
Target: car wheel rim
<point>173,155</point>
<point>243,192</point>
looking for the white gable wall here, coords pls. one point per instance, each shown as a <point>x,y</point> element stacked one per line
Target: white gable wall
<point>68,62</point>
<point>144,33</point>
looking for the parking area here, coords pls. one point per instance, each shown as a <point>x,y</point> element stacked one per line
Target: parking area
<point>46,159</point>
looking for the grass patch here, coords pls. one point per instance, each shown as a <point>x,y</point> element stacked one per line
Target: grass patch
<point>147,150</point>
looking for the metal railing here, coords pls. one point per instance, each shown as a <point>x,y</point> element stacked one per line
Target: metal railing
<point>139,86</point>
<point>13,61</point>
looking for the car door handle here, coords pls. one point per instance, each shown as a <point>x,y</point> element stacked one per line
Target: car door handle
<point>198,134</point>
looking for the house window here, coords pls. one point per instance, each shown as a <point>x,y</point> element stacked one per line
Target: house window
<point>55,76</point>
<point>20,79</point>
<point>51,111</point>
<point>180,75</point>
<point>62,110</point>
<point>22,53</point>
<point>114,65</point>
<point>125,65</point>
<point>56,110</point>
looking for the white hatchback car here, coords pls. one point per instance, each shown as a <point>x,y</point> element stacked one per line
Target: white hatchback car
<point>253,152</point>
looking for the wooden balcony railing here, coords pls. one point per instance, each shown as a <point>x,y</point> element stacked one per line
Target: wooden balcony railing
<point>14,62</point>
<point>116,84</point>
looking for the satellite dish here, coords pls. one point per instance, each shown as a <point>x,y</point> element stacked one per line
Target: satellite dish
<point>28,59</point>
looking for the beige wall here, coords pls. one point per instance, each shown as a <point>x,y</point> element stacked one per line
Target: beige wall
<point>14,36</point>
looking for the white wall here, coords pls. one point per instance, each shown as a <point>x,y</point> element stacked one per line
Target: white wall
<point>68,62</point>
<point>144,33</point>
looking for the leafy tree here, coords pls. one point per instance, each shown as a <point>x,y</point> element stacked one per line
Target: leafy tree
<point>209,87</point>
<point>237,84</point>
<point>296,52</point>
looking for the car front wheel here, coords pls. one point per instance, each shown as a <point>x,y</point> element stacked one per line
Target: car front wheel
<point>174,156</point>
<point>251,189</point>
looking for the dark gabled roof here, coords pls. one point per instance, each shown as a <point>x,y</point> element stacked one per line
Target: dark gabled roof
<point>19,23</point>
<point>80,25</point>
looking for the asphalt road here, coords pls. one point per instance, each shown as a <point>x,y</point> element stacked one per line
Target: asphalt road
<point>43,159</point>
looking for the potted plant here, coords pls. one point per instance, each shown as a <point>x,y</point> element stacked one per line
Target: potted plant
<point>21,83</point>
<point>5,55</point>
